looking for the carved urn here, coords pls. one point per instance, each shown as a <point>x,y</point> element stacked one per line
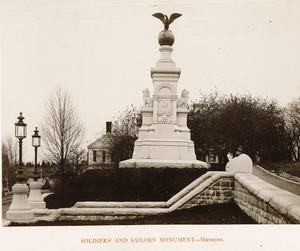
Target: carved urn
<point>166,37</point>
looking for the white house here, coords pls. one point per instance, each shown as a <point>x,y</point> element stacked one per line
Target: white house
<point>98,155</point>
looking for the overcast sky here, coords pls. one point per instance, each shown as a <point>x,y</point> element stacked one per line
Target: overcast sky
<point>102,52</point>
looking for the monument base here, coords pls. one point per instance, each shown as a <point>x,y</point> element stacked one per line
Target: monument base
<point>19,210</point>
<point>35,199</point>
<point>162,163</point>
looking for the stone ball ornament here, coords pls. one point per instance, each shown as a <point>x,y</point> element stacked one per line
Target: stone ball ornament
<point>166,36</point>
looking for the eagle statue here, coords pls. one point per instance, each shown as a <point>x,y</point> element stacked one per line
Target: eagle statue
<point>165,20</point>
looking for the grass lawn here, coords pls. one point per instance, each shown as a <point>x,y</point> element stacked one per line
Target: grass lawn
<point>284,169</point>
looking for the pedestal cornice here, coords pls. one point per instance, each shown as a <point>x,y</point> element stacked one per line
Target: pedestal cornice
<point>165,70</point>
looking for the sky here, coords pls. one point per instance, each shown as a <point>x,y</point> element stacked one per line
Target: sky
<point>102,53</point>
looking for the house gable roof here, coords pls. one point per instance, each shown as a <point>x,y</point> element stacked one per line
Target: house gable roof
<point>102,142</point>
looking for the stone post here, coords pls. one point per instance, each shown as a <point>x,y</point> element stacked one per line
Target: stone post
<point>19,210</point>
<point>35,198</point>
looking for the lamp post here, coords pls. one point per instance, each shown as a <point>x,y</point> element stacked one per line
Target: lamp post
<point>36,142</point>
<point>20,133</point>
<point>35,198</point>
<point>19,210</point>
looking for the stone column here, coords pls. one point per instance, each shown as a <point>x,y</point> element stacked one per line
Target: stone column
<point>166,59</point>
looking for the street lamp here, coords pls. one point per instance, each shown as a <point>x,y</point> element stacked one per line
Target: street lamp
<point>36,142</point>
<point>20,210</point>
<point>20,133</point>
<point>35,198</point>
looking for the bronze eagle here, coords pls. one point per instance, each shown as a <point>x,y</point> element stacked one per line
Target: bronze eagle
<point>165,20</point>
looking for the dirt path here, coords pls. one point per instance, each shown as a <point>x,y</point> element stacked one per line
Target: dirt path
<point>276,181</point>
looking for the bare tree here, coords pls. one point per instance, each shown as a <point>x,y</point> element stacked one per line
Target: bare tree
<point>62,130</point>
<point>11,146</point>
<point>292,118</point>
<point>125,131</point>
<point>9,160</point>
<point>78,161</point>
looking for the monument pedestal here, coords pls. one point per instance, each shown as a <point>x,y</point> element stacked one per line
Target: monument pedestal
<point>35,199</point>
<point>162,163</point>
<point>19,210</point>
<point>164,138</point>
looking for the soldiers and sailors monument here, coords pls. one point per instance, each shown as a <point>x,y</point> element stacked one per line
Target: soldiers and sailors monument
<point>164,138</point>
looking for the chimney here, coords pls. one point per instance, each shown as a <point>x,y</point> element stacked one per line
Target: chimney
<point>108,126</point>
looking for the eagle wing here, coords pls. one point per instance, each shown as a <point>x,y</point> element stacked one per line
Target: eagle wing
<point>160,16</point>
<point>173,17</point>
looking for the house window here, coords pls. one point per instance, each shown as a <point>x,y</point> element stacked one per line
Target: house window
<point>103,156</point>
<point>94,155</point>
<point>212,157</point>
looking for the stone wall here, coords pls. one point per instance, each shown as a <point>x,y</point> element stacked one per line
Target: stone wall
<point>221,191</point>
<point>265,203</point>
<point>258,210</point>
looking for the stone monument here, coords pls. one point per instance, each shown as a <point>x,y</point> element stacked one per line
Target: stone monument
<point>164,138</point>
